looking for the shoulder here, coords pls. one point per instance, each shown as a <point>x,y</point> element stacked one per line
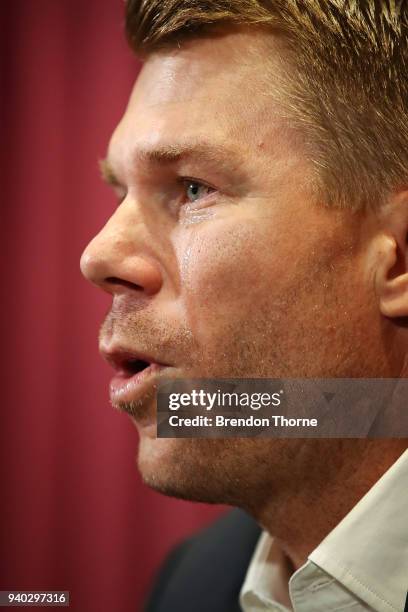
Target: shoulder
<point>206,572</point>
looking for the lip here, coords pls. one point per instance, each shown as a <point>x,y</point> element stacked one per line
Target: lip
<point>126,385</point>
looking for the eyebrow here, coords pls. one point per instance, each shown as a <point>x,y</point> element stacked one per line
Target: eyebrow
<point>221,157</point>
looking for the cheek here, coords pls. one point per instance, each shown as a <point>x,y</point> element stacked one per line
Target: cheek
<point>227,272</point>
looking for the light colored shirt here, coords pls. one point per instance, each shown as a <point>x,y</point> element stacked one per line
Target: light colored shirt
<point>361,565</point>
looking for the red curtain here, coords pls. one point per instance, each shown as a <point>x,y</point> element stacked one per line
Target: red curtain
<point>74,513</point>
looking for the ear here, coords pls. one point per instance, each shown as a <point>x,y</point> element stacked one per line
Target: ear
<point>391,277</point>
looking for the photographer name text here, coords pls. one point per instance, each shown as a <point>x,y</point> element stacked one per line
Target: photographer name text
<point>275,420</point>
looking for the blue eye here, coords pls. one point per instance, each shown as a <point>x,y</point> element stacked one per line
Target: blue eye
<point>195,190</point>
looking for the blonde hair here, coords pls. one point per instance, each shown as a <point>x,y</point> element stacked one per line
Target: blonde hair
<point>349,89</point>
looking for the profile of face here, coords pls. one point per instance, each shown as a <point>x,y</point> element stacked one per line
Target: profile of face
<point>221,259</point>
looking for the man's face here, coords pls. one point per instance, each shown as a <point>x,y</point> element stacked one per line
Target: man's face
<point>221,260</point>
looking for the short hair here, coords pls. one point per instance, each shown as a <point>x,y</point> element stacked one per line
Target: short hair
<point>349,88</point>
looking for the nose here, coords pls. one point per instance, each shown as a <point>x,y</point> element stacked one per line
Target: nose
<point>120,257</point>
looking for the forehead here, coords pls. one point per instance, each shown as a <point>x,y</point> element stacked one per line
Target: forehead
<point>222,88</point>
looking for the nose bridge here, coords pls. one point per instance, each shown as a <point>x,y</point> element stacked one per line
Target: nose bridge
<point>120,236</point>
<point>120,255</point>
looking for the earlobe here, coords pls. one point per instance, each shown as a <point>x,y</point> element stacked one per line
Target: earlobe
<point>391,280</point>
<point>395,303</point>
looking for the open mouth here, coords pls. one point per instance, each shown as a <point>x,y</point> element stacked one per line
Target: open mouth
<point>135,366</point>
<point>128,365</point>
<point>135,374</point>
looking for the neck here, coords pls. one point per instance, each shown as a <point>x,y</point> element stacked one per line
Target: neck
<point>317,499</point>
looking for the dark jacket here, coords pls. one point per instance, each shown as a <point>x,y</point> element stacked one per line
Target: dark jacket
<point>205,573</point>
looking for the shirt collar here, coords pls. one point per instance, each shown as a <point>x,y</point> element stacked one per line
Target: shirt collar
<point>368,550</point>
<point>267,578</point>
<point>366,554</point>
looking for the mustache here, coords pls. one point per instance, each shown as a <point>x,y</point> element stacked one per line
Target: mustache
<point>147,332</point>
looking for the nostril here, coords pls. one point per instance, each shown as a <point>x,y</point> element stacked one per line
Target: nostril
<point>114,280</point>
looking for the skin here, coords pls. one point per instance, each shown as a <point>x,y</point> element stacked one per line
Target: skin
<point>257,278</point>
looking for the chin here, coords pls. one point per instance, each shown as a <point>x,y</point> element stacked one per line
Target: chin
<point>182,468</point>
<point>157,455</point>
<point>163,465</point>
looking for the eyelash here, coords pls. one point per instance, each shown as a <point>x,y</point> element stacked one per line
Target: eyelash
<point>183,182</point>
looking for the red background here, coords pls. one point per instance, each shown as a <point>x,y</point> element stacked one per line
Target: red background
<point>74,514</point>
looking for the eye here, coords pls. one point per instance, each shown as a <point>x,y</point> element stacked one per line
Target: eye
<point>196,190</point>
